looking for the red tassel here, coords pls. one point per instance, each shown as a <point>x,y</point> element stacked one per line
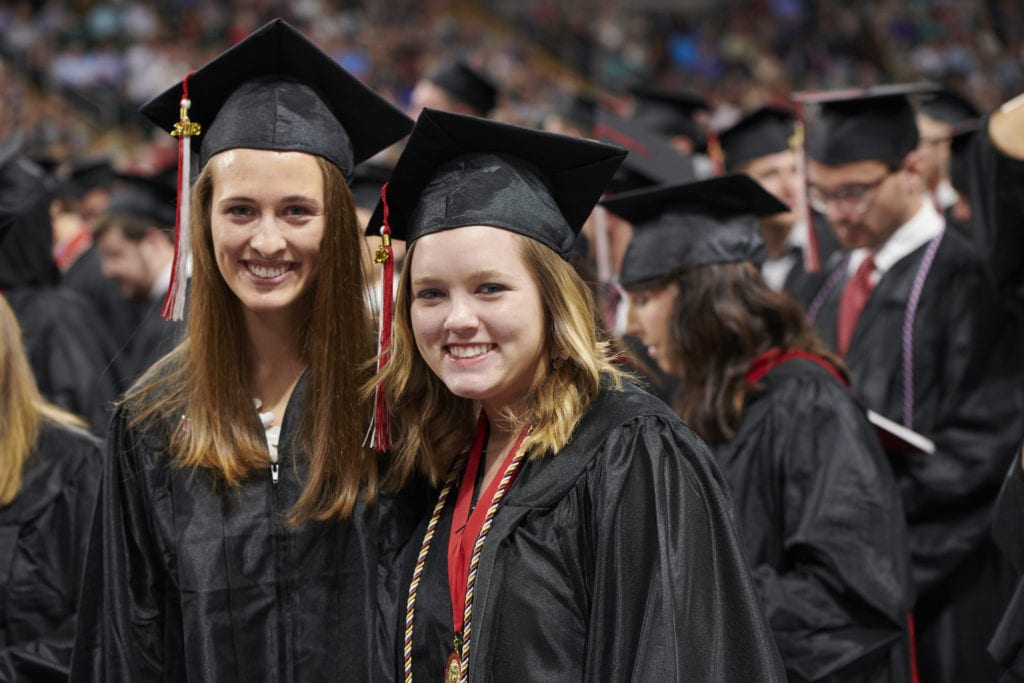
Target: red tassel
<point>715,153</point>
<point>380,428</point>
<point>184,130</point>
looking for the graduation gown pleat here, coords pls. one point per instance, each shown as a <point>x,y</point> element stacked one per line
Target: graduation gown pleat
<point>1007,646</point>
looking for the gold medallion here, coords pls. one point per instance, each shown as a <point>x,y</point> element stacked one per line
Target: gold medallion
<point>453,669</point>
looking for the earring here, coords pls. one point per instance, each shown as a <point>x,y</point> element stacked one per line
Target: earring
<point>559,358</point>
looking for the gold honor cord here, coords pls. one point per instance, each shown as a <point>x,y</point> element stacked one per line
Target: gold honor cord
<point>457,668</point>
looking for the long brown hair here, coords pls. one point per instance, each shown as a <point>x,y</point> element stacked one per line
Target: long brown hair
<point>22,408</point>
<point>433,425</point>
<point>199,386</point>
<point>723,318</point>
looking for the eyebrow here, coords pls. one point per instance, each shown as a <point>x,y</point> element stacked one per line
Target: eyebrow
<point>475,275</point>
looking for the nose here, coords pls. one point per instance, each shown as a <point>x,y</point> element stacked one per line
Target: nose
<point>461,314</point>
<point>267,239</point>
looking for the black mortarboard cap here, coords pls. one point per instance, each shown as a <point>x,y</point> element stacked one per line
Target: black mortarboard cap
<point>768,130</point>
<point>652,159</point>
<point>367,180</point>
<point>83,175</point>
<point>577,110</point>
<point>960,155</point>
<point>949,107</point>
<point>465,84</point>
<point>670,113</point>
<point>276,90</point>
<point>459,170</point>
<point>860,124</point>
<point>695,224</point>
<point>147,197</point>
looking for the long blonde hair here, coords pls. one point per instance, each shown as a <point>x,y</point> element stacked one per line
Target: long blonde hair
<point>22,407</point>
<point>200,386</point>
<point>433,425</point>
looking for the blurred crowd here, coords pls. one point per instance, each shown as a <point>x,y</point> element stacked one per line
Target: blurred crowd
<point>74,73</point>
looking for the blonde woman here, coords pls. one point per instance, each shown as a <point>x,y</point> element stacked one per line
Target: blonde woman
<point>581,531</point>
<point>49,472</point>
<point>234,538</point>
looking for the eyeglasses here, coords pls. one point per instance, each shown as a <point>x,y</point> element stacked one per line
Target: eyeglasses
<point>850,199</point>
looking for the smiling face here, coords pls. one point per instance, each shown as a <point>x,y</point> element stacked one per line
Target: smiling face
<point>477,315</point>
<point>267,223</point>
<point>650,320</point>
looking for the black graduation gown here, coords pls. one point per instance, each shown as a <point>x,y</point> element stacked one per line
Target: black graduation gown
<point>612,560</point>
<point>69,351</point>
<point>1007,646</point>
<point>967,398</point>
<point>996,191</point>
<point>43,534</point>
<point>800,284</point>
<point>120,316</point>
<point>152,338</point>
<point>822,526</point>
<point>68,347</point>
<point>191,582</point>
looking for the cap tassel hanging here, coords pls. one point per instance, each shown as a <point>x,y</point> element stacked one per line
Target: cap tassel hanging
<point>716,154</point>
<point>380,424</point>
<point>184,130</point>
<point>812,261</point>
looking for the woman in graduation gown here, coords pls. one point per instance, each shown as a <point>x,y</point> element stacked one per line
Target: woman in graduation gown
<point>582,531</point>
<point>234,539</point>
<point>819,511</point>
<point>49,473</point>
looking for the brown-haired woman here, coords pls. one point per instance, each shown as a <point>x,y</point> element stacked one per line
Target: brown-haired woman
<point>49,473</point>
<point>581,532</point>
<point>235,542</point>
<point>818,508</point>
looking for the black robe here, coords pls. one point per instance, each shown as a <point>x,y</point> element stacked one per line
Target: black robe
<point>967,398</point>
<point>151,339</point>
<point>612,560</point>
<point>43,535</point>
<point>69,349</point>
<point>822,525</point>
<point>800,284</point>
<point>120,316</point>
<point>192,582</point>
<point>1007,646</point>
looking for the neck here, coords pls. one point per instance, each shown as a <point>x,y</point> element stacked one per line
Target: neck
<point>501,435</point>
<point>277,363</point>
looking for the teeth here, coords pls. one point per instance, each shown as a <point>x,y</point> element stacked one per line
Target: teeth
<point>264,271</point>
<point>469,351</point>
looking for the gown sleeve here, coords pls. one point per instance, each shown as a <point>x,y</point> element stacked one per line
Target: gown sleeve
<point>53,564</point>
<point>839,589</point>
<point>672,594</point>
<point>1007,646</point>
<point>125,581</point>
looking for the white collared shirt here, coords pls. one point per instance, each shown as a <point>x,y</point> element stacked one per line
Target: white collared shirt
<point>776,270</point>
<point>920,229</point>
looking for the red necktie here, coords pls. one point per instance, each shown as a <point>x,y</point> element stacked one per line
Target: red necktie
<point>855,295</point>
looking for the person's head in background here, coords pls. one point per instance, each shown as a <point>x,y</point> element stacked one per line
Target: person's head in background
<point>864,168</point>
<point>135,235</point>
<point>697,298</point>
<point>939,115</point>
<point>762,145</point>
<point>454,86</point>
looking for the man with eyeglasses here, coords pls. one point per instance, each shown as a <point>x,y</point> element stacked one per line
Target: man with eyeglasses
<point>917,320</point>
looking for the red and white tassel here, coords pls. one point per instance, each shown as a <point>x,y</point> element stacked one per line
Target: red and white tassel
<point>184,130</point>
<point>380,423</point>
